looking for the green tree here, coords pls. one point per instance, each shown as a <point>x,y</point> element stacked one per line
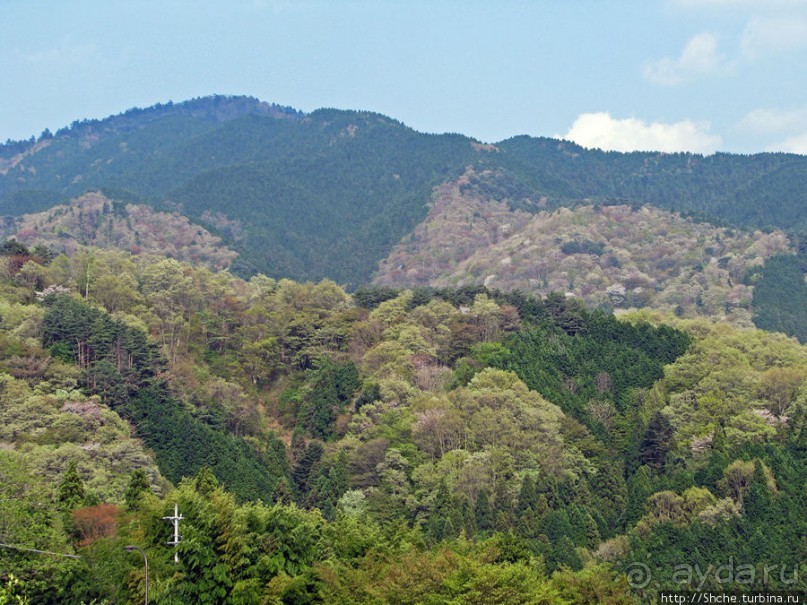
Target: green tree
<point>657,442</point>
<point>138,485</point>
<point>71,490</point>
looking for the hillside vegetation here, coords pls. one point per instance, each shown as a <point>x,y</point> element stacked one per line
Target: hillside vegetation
<point>94,219</point>
<point>355,183</point>
<point>605,255</point>
<point>393,446</point>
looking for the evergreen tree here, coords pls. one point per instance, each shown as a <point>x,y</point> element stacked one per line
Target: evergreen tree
<point>657,441</point>
<point>205,482</point>
<point>640,486</point>
<point>71,490</point>
<point>503,508</point>
<point>138,484</point>
<point>483,513</point>
<point>302,472</point>
<point>758,500</point>
<point>527,496</point>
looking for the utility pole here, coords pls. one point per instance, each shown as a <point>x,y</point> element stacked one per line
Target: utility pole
<point>175,519</point>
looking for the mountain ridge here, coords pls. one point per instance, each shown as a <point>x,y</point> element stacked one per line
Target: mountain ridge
<point>356,183</point>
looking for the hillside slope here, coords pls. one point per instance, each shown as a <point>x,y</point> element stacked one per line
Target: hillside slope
<point>93,219</point>
<point>354,183</point>
<point>606,255</point>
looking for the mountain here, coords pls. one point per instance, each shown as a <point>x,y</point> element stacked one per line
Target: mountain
<point>355,183</point>
<point>93,219</point>
<point>610,255</point>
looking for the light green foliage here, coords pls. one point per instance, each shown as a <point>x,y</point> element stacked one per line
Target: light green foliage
<point>10,592</point>
<point>30,518</point>
<point>746,380</point>
<point>422,467</point>
<point>669,507</point>
<point>500,411</point>
<point>51,428</point>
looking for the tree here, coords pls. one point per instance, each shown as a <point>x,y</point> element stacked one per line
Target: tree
<point>758,501</point>
<point>138,484</point>
<point>302,474</point>
<point>71,490</point>
<point>657,442</point>
<point>483,513</point>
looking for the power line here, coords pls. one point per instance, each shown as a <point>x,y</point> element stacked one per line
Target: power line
<point>42,552</point>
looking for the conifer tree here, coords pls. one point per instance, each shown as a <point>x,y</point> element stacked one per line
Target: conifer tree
<point>71,489</point>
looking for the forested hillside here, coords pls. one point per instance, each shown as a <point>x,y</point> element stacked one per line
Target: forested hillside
<point>94,219</point>
<point>608,255</point>
<point>281,186</point>
<point>458,445</point>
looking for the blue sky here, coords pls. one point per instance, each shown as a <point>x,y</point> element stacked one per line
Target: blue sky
<point>696,75</point>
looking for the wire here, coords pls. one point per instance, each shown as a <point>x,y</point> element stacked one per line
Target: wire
<point>42,552</point>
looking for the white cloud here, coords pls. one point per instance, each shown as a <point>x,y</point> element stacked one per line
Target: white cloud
<point>774,34</point>
<point>699,57</point>
<point>790,126</point>
<point>775,121</point>
<point>794,144</point>
<point>600,130</point>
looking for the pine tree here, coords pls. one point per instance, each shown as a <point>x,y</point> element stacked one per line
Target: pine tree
<point>527,496</point>
<point>205,482</point>
<point>302,474</point>
<point>758,501</point>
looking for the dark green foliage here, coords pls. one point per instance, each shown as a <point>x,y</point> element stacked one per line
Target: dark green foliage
<point>369,394</point>
<point>369,297</point>
<point>759,190</point>
<point>354,183</point>
<point>121,366</point>
<point>640,487</point>
<point>503,508</point>
<point>758,501</point>
<point>583,247</point>
<point>712,472</point>
<point>13,248</point>
<point>610,490</point>
<point>483,513</point>
<point>449,516</point>
<point>780,296</point>
<point>657,442</point>
<point>71,489</point>
<point>304,468</point>
<point>184,446</point>
<point>138,485</point>
<point>332,386</point>
<point>575,356</point>
<point>560,550</point>
<point>329,486</point>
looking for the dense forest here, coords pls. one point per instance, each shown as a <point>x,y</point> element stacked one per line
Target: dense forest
<point>356,183</point>
<point>424,445</point>
<point>609,256</point>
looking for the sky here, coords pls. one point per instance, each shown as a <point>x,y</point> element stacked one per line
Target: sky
<point>666,75</point>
